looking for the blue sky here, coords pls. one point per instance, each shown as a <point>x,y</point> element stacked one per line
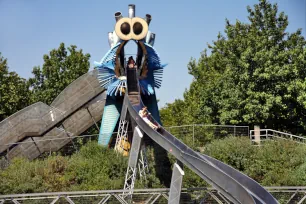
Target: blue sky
<point>30,29</point>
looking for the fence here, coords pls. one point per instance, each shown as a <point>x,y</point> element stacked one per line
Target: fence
<point>198,135</point>
<point>195,136</point>
<point>265,134</point>
<point>288,195</point>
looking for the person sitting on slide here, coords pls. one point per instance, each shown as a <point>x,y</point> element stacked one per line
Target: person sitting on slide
<point>131,63</point>
<point>145,115</point>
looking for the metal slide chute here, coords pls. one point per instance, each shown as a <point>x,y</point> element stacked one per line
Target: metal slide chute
<point>236,186</point>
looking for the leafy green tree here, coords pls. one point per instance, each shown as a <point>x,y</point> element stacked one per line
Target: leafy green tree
<point>14,92</point>
<point>61,67</point>
<point>255,74</point>
<point>178,109</point>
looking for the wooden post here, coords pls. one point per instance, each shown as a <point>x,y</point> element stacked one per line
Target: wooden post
<point>257,134</point>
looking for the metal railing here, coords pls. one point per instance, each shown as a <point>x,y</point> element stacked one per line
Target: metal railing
<point>284,195</point>
<point>195,136</point>
<point>198,195</point>
<point>198,135</point>
<point>265,134</point>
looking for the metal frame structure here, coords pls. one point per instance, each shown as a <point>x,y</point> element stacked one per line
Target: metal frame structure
<point>285,194</point>
<point>143,165</point>
<point>131,172</point>
<point>114,196</point>
<point>234,185</point>
<point>76,108</point>
<point>176,184</point>
<point>52,140</point>
<point>129,182</point>
<point>121,134</point>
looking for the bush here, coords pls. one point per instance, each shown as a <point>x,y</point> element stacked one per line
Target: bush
<point>96,168</point>
<point>21,177</point>
<point>93,168</point>
<point>276,163</point>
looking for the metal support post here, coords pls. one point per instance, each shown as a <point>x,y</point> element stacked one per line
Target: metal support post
<point>143,167</point>
<point>122,134</point>
<point>130,176</point>
<point>123,127</point>
<point>92,118</point>
<point>69,134</point>
<point>176,184</point>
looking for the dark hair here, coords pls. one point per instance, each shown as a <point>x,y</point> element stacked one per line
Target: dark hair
<point>130,59</point>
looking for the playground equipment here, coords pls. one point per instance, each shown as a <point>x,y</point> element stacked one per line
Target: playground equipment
<point>37,128</point>
<point>139,83</point>
<point>120,92</point>
<point>113,69</point>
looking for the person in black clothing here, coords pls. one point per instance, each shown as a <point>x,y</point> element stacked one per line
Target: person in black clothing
<point>131,63</point>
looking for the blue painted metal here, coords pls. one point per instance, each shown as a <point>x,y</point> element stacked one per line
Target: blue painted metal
<point>110,118</point>
<point>117,86</point>
<point>155,72</point>
<point>108,79</point>
<point>155,67</point>
<point>106,67</point>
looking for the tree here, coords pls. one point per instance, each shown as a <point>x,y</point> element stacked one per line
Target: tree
<point>14,92</point>
<point>255,74</point>
<point>60,68</point>
<point>176,108</point>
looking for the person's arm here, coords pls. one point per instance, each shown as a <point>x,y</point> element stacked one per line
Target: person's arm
<point>149,122</point>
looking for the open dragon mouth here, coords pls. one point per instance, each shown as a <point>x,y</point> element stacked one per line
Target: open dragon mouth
<point>112,68</point>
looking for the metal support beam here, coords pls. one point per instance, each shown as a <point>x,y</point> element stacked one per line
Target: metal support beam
<point>130,176</point>
<point>143,166</point>
<point>69,134</point>
<point>176,184</point>
<point>302,200</point>
<point>105,199</point>
<point>92,118</point>
<point>292,196</point>
<point>123,114</point>
<point>123,126</point>
<point>135,149</point>
<point>215,197</point>
<point>224,198</point>
<point>15,201</point>
<point>36,145</point>
<point>69,200</point>
<point>122,135</point>
<point>55,200</point>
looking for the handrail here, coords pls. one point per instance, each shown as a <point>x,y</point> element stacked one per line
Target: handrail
<point>150,190</point>
<point>281,135</point>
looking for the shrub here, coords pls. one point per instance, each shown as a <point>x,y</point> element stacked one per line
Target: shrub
<point>275,163</point>
<point>92,168</point>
